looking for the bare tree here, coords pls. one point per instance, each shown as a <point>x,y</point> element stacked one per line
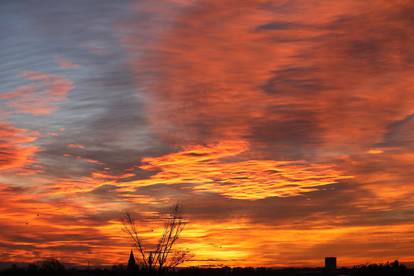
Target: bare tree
<point>164,256</point>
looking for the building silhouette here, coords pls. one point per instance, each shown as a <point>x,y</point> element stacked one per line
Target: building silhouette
<point>330,263</point>
<point>132,265</point>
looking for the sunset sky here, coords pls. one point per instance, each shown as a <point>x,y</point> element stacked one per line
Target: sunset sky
<point>285,128</point>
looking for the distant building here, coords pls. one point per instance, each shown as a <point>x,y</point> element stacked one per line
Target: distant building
<point>132,265</point>
<point>330,263</point>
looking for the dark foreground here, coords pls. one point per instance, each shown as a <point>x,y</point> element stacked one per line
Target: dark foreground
<point>56,268</point>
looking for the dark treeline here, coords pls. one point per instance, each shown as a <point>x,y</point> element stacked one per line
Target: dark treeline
<point>54,267</point>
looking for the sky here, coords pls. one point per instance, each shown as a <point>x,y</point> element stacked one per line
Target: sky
<point>284,128</point>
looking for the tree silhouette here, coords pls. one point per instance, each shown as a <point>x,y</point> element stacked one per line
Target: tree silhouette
<point>164,256</point>
<point>52,265</point>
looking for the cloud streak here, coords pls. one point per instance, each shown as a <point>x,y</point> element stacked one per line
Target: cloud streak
<point>39,97</point>
<point>16,150</point>
<point>211,169</point>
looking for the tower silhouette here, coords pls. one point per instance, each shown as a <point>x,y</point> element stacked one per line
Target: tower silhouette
<point>132,265</point>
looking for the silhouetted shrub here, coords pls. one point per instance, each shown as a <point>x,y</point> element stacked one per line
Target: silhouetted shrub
<point>52,265</point>
<point>394,268</point>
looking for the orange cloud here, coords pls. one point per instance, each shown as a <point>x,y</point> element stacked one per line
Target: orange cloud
<point>76,146</point>
<point>337,82</point>
<point>326,83</point>
<point>107,176</point>
<point>26,219</point>
<point>219,168</point>
<point>199,93</point>
<point>15,148</point>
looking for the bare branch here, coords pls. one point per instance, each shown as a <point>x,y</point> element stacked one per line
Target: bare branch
<point>131,229</point>
<point>164,257</point>
<point>179,257</point>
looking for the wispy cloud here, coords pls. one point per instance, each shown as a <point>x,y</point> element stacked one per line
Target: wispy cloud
<point>40,96</point>
<point>16,148</point>
<point>65,63</point>
<point>216,168</point>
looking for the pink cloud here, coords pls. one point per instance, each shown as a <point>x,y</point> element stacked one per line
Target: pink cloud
<point>40,96</point>
<point>65,63</point>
